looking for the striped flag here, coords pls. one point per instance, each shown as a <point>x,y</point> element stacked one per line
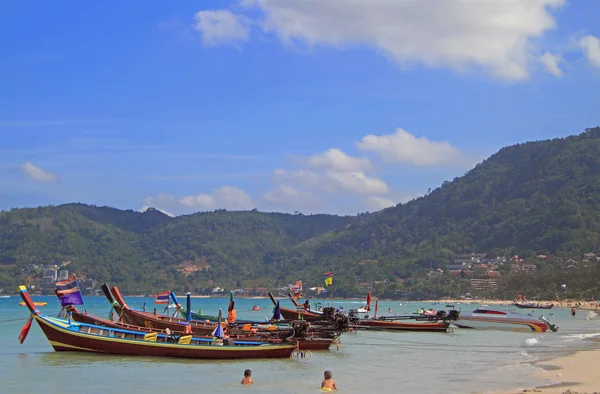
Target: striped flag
<point>162,298</point>
<point>68,292</point>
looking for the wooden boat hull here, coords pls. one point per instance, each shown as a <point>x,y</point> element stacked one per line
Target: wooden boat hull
<point>212,319</point>
<point>292,314</point>
<point>313,344</point>
<point>62,339</point>
<point>145,319</point>
<point>532,306</point>
<point>402,326</point>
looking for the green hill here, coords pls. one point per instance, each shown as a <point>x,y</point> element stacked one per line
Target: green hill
<point>148,250</point>
<point>528,199</point>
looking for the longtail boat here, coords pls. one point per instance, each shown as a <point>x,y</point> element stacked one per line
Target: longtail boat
<point>306,340</point>
<point>408,323</point>
<point>299,313</point>
<point>154,320</point>
<point>240,337</point>
<point>531,305</point>
<point>374,324</point>
<point>67,335</point>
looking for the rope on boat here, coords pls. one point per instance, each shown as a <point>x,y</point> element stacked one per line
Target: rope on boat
<point>11,320</point>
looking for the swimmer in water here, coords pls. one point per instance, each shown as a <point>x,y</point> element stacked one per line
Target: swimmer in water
<point>328,384</point>
<point>247,377</point>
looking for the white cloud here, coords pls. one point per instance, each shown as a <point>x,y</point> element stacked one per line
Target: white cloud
<point>287,197</point>
<point>145,208</point>
<point>495,36</point>
<point>37,174</point>
<point>591,49</point>
<point>222,26</point>
<point>404,148</point>
<point>333,182</point>
<point>551,62</point>
<point>336,160</point>
<point>225,197</point>
<point>377,203</point>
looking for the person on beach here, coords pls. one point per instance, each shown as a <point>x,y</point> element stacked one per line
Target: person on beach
<point>328,384</point>
<point>247,377</point>
<point>573,312</point>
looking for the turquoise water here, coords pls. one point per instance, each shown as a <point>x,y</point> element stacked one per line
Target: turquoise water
<point>462,361</point>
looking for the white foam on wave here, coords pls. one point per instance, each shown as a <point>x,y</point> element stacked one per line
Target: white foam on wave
<point>580,337</point>
<point>531,341</point>
<point>591,315</point>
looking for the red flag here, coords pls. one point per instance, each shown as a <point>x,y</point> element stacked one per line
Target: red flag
<point>369,301</point>
<point>376,306</point>
<point>25,330</point>
<point>162,298</point>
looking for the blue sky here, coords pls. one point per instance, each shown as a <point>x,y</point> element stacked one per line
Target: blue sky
<point>338,106</point>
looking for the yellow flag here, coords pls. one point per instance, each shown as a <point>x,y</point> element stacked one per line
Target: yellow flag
<point>328,281</point>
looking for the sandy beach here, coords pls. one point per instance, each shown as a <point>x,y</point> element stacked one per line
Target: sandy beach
<point>586,305</point>
<point>577,373</point>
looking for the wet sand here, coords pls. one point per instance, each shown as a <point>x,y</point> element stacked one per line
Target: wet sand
<point>577,373</point>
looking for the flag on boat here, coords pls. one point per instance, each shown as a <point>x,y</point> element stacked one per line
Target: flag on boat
<point>297,289</point>
<point>297,286</point>
<point>218,331</point>
<point>369,301</point>
<point>277,312</point>
<point>162,298</point>
<point>330,273</point>
<point>68,292</point>
<point>232,314</point>
<point>328,281</point>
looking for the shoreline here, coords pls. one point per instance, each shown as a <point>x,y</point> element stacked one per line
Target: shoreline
<point>575,372</point>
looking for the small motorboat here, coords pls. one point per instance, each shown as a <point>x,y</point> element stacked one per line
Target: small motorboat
<point>482,318</point>
<point>256,308</point>
<point>36,303</point>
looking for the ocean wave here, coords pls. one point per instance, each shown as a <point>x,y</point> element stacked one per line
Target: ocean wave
<point>579,337</point>
<point>532,341</point>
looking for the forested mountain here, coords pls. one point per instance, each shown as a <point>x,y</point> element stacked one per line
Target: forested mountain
<point>528,199</point>
<point>150,249</point>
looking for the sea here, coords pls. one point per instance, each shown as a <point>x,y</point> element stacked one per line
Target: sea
<point>460,361</point>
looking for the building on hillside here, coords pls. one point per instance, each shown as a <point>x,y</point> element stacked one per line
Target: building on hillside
<point>590,257</point>
<point>522,267</point>
<point>458,266</point>
<point>63,274</point>
<point>488,281</point>
<point>462,274</point>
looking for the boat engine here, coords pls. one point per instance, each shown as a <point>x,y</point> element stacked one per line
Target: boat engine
<point>552,327</point>
<point>353,316</point>
<point>440,315</point>
<point>328,313</point>
<point>452,315</point>
<point>300,328</point>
